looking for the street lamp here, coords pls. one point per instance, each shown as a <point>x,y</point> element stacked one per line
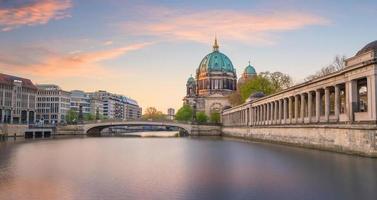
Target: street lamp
<point>194,111</point>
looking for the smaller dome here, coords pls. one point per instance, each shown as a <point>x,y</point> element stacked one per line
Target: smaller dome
<point>250,70</point>
<point>256,95</point>
<point>191,80</point>
<point>368,47</point>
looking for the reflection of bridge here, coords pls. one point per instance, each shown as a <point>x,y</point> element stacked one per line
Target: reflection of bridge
<point>95,128</point>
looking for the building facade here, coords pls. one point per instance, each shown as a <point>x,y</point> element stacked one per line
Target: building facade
<point>80,98</point>
<point>171,113</point>
<point>118,106</point>
<point>215,80</point>
<point>17,100</point>
<point>53,104</point>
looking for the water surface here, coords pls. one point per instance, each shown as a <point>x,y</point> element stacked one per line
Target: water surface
<point>179,168</point>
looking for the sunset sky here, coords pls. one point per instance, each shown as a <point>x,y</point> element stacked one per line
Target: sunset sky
<point>148,49</point>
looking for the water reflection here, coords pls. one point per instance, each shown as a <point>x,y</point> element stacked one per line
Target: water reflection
<point>179,168</point>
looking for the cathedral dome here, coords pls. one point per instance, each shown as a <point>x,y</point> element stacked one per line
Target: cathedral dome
<point>216,61</point>
<point>368,47</point>
<point>250,70</point>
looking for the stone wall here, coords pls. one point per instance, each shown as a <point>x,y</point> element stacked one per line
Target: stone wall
<point>11,129</point>
<point>356,140</point>
<point>205,130</point>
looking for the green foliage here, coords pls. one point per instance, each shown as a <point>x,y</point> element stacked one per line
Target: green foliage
<point>257,84</point>
<point>215,117</point>
<point>72,116</point>
<point>184,113</point>
<point>265,82</point>
<point>89,117</point>
<point>151,113</point>
<point>201,117</point>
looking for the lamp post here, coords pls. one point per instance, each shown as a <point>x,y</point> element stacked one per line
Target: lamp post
<point>194,111</point>
<point>81,115</point>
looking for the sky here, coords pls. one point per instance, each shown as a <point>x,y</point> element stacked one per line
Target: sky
<point>148,49</point>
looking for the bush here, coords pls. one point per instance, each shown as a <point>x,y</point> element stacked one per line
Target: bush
<point>215,117</point>
<point>201,117</point>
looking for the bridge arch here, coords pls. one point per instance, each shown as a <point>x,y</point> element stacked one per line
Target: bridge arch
<point>96,128</point>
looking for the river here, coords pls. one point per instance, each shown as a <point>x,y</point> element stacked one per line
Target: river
<point>179,168</point>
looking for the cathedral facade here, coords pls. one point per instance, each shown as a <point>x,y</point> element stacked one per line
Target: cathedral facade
<point>214,81</point>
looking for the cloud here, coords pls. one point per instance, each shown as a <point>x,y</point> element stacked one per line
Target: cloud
<point>37,12</point>
<point>52,64</point>
<point>228,24</point>
<point>109,42</point>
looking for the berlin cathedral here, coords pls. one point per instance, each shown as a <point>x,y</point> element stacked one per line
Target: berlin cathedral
<point>214,81</point>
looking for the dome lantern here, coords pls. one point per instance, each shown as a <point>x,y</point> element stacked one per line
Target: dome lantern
<point>216,61</point>
<point>215,45</point>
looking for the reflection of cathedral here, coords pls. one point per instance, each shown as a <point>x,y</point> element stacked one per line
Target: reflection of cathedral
<point>215,80</point>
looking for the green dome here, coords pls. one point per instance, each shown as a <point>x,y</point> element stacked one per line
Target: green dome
<point>191,80</point>
<point>250,70</point>
<point>216,61</point>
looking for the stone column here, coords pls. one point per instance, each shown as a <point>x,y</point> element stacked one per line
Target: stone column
<point>280,111</point>
<point>276,112</point>
<point>317,105</point>
<point>310,104</point>
<point>302,107</point>
<point>27,117</point>
<point>371,88</point>
<point>337,102</point>
<point>351,92</point>
<point>11,115</point>
<point>2,116</point>
<point>255,115</point>
<point>290,109</point>
<point>285,111</point>
<point>296,109</point>
<point>271,113</point>
<point>267,113</point>
<point>327,104</point>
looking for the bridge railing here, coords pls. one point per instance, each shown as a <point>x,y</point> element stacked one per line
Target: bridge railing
<point>145,120</point>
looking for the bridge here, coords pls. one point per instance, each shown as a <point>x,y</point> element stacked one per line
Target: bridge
<point>336,112</point>
<point>95,128</point>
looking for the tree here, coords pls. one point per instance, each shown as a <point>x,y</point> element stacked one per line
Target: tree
<point>278,80</point>
<point>265,82</point>
<point>151,113</point>
<point>235,98</point>
<point>201,117</point>
<point>215,117</point>
<point>72,116</point>
<point>258,84</point>
<point>184,113</point>
<point>337,65</point>
<point>89,117</point>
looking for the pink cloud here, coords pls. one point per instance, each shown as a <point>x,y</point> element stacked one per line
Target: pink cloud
<point>71,64</point>
<point>38,12</point>
<point>228,24</point>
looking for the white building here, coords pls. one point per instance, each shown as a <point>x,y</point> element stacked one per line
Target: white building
<point>118,106</point>
<point>17,99</point>
<point>53,103</point>
<point>80,98</point>
<point>171,113</point>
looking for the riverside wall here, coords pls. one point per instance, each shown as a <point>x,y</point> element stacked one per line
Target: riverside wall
<point>360,140</point>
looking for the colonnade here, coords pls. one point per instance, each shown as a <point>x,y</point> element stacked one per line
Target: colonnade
<point>348,101</point>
